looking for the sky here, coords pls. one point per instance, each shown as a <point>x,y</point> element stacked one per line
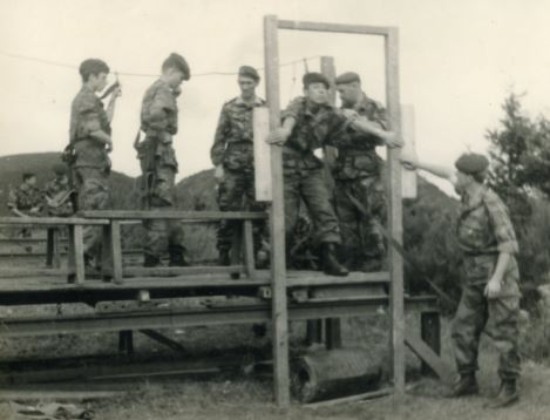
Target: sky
<point>458,62</point>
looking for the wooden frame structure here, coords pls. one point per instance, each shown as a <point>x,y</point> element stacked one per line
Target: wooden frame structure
<point>390,34</point>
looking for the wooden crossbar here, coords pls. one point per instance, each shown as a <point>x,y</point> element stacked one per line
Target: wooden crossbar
<point>205,216</point>
<point>51,221</point>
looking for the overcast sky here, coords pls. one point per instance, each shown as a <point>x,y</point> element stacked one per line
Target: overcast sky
<point>459,59</point>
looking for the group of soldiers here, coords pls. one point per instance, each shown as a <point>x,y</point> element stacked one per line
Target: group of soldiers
<point>348,217</point>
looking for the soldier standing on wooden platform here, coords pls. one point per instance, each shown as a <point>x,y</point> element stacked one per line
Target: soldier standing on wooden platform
<point>233,157</point>
<point>159,122</point>
<point>490,278</point>
<point>359,196</point>
<point>310,122</point>
<point>90,144</point>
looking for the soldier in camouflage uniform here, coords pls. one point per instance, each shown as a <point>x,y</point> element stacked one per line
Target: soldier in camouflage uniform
<point>359,196</point>
<point>309,123</point>
<point>159,122</point>
<point>90,143</point>
<point>490,279</point>
<point>58,193</point>
<point>27,199</point>
<point>233,157</point>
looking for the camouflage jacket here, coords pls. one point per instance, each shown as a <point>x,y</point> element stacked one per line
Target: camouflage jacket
<point>357,157</point>
<point>234,126</point>
<point>159,112</point>
<point>484,225</point>
<point>313,129</point>
<point>88,115</point>
<point>59,194</point>
<point>25,197</point>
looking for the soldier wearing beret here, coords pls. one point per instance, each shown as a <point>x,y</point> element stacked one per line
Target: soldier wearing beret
<point>159,122</point>
<point>232,155</point>
<point>490,284</point>
<point>58,192</point>
<point>309,123</point>
<point>90,143</point>
<point>359,196</point>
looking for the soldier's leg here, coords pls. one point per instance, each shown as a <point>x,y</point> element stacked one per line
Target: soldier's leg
<point>292,189</point>
<point>348,218</point>
<point>260,227</point>
<point>230,198</point>
<point>469,321</point>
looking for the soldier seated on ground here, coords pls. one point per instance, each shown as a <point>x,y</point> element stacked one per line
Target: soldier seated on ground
<point>58,193</point>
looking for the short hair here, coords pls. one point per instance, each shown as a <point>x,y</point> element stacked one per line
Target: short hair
<point>28,175</point>
<point>177,61</point>
<point>93,66</point>
<point>480,177</point>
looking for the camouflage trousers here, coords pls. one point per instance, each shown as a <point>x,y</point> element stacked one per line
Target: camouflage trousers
<point>92,187</point>
<point>310,186</point>
<point>237,193</point>
<point>361,207</point>
<point>161,235</point>
<point>498,316</point>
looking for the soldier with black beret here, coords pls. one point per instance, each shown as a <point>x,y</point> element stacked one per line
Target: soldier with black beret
<point>308,123</point>
<point>232,155</point>
<point>159,166</point>
<point>490,288</point>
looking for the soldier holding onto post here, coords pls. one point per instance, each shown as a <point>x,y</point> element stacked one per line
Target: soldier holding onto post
<point>490,279</point>
<point>159,122</point>
<point>310,122</point>
<point>90,144</point>
<point>359,196</point>
<point>233,157</point>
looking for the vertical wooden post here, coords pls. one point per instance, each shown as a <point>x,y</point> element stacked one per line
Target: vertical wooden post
<point>277,215</point>
<point>115,246</point>
<point>333,336</point>
<point>77,237</point>
<point>430,331</point>
<point>53,258</point>
<point>248,247</point>
<point>395,215</point>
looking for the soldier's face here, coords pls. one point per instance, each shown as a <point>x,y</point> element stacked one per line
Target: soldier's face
<point>175,77</point>
<point>317,93</point>
<point>247,85</point>
<point>98,81</point>
<point>348,93</point>
<point>462,182</point>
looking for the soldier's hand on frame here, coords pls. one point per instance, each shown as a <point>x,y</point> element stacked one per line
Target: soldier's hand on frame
<point>409,160</point>
<point>493,288</point>
<point>393,140</point>
<point>218,173</point>
<point>278,136</point>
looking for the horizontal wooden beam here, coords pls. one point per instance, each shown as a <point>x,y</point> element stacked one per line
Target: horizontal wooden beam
<point>20,272</point>
<point>317,278</point>
<point>173,214</point>
<point>333,27</point>
<point>50,221</point>
<point>181,271</point>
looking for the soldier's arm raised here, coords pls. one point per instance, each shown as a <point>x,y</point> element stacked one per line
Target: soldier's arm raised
<point>410,161</point>
<point>280,135</point>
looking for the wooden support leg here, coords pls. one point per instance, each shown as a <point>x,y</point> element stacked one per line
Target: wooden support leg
<point>314,331</point>
<point>248,248</point>
<point>333,333</point>
<point>112,252</point>
<point>126,342</point>
<point>76,254</point>
<point>236,251</point>
<point>50,247</point>
<point>106,254</point>
<point>430,331</point>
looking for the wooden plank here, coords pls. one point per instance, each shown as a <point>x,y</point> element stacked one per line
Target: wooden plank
<point>71,253</point>
<point>352,398</point>
<point>425,353</point>
<point>333,27</point>
<point>317,278</point>
<point>395,215</point>
<point>50,247</point>
<point>248,248</point>
<point>106,253</point>
<point>262,155</point>
<point>48,221</point>
<point>20,272</point>
<point>206,216</point>
<point>116,252</point>
<point>409,178</point>
<point>182,271</point>
<point>78,237</point>
<point>48,395</point>
<point>277,222</point>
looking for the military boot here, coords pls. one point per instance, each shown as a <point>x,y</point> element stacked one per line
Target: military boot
<point>331,266</point>
<point>507,395</point>
<point>466,385</point>
<point>151,261</point>
<point>177,256</point>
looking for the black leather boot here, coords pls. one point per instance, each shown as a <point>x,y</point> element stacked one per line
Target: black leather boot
<point>331,266</point>
<point>507,395</point>
<point>466,385</point>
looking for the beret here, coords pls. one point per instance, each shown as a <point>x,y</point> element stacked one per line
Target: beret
<point>248,71</point>
<point>472,163</point>
<point>177,61</point>
<point>313,77</point>
<point>59,169</point>
<point>28,175</point>
<point>348,77</point>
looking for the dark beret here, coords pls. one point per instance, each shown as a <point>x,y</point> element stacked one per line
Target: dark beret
<point>177,61</point>
<point>59,169</point>
<point>348,77</point>
<point>247,71</point>
<point>27,175</point>
<point>313,77</point>
<point>472,163</point>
